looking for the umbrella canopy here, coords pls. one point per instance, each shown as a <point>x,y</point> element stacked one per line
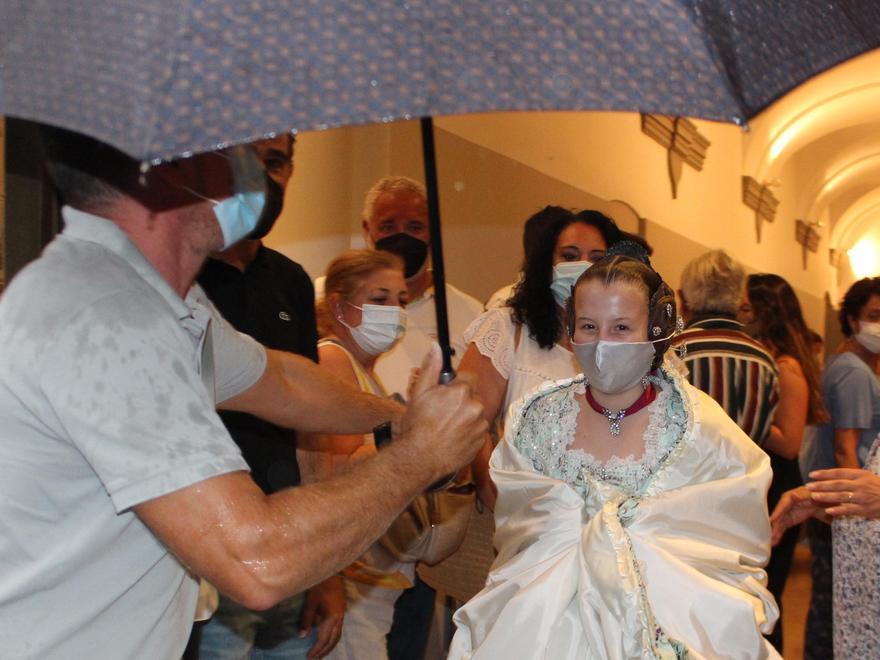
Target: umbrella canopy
<point>159,79</point>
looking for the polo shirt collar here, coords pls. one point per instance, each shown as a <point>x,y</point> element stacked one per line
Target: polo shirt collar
<point>95,229</point>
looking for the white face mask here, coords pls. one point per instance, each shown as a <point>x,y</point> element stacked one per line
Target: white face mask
<point>869,336</point>
<point>381,326</point>
<point>565,274</point>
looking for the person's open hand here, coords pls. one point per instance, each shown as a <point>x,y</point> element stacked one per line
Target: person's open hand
<point>846,492</point>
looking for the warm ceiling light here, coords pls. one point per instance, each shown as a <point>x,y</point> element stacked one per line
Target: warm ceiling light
<point>864,257</point>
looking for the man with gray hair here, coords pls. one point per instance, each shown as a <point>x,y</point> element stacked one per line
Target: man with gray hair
<point>722,360</point>
<point>395,219</point>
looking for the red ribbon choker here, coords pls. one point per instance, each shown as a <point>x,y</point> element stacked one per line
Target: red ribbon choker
<point>614,417</point>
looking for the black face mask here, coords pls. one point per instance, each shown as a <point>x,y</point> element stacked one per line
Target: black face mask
<point>413,251</point>
<point>271,210</point>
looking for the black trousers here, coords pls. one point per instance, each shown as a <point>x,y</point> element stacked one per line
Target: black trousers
<point>786,475</point>
<point>411,626</point>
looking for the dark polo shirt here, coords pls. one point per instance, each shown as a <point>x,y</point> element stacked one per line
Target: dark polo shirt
<point>273,301</point>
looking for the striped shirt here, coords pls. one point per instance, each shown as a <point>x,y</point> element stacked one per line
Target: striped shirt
<point>735,370</point>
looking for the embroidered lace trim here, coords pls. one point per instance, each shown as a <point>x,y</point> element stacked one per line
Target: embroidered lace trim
<point>548,429</point>
<point>491,334</point>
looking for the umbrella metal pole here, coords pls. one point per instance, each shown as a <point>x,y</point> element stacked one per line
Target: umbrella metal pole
<point>446,372</point>
<point>430,158</point>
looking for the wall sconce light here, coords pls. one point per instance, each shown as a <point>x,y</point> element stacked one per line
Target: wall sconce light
<point>807,235</point>
<point>864,258</point>
<point>761,199</point>
<point>682,141</point>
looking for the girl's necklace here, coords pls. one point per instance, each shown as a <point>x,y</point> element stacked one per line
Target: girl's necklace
<point>614,417</point>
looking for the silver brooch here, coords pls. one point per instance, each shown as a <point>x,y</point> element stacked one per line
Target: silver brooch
<point>656,330</point>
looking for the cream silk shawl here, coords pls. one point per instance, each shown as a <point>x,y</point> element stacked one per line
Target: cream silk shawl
<point>674,572</point>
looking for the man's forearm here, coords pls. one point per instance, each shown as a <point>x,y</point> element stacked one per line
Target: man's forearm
<point>284,543</point>
<point>332,406</point>
<point>379,488</point>
<point>296,393</point>
<point>259,549</point>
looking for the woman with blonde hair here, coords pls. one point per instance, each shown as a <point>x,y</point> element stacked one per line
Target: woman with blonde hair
<point>360,317</point>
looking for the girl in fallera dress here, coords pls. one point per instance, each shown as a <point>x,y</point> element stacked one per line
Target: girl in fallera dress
<point>631,517</point>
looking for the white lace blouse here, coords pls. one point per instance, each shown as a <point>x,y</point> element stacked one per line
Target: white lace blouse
<point>524,364</point>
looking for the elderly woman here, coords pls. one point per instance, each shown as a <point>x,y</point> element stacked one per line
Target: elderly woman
<point>630,519</point>
<point>360,317</point>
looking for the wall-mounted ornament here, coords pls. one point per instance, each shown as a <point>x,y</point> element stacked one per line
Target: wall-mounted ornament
<point>807,235</point>
<point>834,257</point>
<point>682,141</point>
<point>761,199</point>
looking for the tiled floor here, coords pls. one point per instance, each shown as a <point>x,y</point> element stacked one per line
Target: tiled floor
<point>796,601</point>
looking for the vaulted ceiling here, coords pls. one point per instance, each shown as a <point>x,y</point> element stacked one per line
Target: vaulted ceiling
<point>825,136</point>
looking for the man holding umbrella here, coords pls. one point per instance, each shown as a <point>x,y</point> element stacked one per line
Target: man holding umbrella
<point>118,481</point>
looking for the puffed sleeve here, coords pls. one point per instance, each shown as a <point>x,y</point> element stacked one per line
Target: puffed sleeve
<point>494,333</point>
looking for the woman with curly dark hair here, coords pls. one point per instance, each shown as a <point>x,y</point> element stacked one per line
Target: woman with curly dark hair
<point>513,349</point>
<point>772,314</point>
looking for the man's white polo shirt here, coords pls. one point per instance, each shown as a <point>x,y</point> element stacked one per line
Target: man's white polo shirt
<point>104,405</point>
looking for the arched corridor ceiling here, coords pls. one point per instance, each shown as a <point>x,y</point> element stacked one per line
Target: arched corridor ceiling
<point>825,136</point>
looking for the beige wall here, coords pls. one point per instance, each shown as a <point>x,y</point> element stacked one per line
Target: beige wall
<point>495,170</point>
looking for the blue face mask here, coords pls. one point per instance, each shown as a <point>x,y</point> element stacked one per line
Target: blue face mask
<point>565,274</point>
<point>239,214</point>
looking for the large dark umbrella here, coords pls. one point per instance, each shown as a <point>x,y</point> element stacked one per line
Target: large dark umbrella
<point>164,78</point>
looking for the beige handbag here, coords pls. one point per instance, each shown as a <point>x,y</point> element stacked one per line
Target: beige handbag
<point>433,526</point>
